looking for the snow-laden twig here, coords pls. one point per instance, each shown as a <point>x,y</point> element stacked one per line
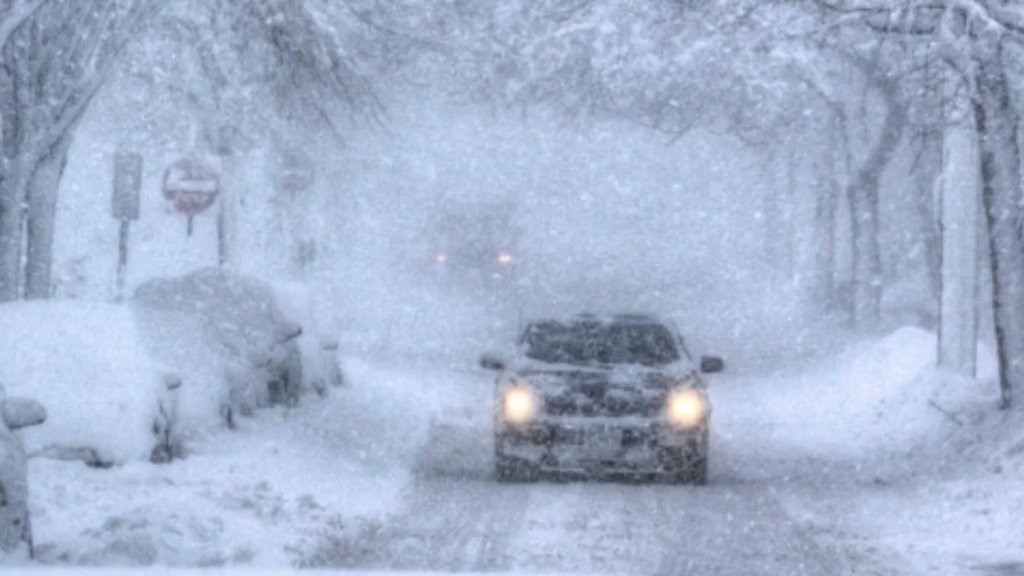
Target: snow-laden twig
<point>19,13</point>
<point>945,412</point>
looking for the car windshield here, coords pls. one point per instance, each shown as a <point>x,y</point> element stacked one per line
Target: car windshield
<point>595,342</point>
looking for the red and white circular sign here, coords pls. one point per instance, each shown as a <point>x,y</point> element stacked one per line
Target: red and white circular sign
<point>191,185</point>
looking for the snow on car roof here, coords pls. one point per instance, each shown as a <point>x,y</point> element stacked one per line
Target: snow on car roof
<point>615,318</point>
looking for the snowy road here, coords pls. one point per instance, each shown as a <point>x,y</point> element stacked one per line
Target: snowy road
<point>456,517</point>
<point>395,473</point>
<point>473,524</point>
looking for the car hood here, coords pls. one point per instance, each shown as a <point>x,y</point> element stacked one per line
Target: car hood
<point>600,390</point>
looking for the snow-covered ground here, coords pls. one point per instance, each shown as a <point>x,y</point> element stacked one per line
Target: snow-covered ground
<point>880,453</point>
<point>252,496</point>
<point>869,457</point>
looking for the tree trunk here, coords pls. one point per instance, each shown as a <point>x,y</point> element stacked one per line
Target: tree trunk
<point>863,194</point>
<point>825,211</point>
<point>12,219</point>
<point>998,125</point>
<point>958,297</point>
<point>42,212</point>
<point>925,201</point>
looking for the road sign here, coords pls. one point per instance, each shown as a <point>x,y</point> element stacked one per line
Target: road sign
<point>125,207</point>
<point>127,184</point>
<point>295,171</point>
<point>191,185</point>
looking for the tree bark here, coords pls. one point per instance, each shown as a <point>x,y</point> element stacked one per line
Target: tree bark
<point>925,201</point>
<point>998,127</point>
<point>863,195</point>
<point>825,211</point>
<point>41,218</point>
<point>958,297</point>
<point>12,218</point>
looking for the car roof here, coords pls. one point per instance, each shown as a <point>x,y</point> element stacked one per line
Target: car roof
<point>617,318</point>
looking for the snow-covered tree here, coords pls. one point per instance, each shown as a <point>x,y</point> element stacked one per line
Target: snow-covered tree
<point>979,41</point>
<point>249,75</point>
<point>54,57</point>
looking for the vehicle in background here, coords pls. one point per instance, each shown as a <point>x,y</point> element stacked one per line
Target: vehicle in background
<point>15,523</point>
<point>592,394</point>
<point>475,243</point>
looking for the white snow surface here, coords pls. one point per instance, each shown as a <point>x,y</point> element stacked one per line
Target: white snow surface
<point>878,450</point>
<point>257,496</point>
<point>84,362</point>
<point>873,450</point>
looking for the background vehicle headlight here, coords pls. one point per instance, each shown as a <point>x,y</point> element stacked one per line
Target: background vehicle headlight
<point>685,408</point>
<point>519,405</point>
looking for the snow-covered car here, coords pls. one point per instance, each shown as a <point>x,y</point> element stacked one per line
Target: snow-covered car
<point>108,401</point>
<point>227,336</point>
<point>590,394</point>
<point>15,524</point>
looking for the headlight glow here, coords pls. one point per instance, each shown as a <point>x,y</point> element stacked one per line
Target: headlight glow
<point>519,405</point>
<point>685,408</point>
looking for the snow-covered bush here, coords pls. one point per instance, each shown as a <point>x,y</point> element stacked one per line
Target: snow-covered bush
<point>107,400</point>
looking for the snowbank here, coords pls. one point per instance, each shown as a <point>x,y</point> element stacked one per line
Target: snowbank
<point>85,363</point>
<point>317,344</point>
<point>883,396</point>
<point>942,465</point>
<point>260,496</point>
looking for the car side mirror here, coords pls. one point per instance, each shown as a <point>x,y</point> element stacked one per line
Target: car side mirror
<point>492,362</point>
<point>711,364</point>
<point>22,412</point>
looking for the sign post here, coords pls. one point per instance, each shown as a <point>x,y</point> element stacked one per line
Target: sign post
<point>295,173</point>
<point>125,207</point>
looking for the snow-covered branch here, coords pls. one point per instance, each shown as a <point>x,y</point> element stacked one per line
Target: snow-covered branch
<point>14,18</point>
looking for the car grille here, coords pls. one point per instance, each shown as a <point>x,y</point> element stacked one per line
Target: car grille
<point>614,402</point>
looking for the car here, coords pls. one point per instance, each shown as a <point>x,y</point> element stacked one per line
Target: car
<point>226,336</point>
<point>602,394</point>
<point>86,362</point>
<point>15,524</point>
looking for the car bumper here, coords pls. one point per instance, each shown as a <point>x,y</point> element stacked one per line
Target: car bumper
<point>609,446</point>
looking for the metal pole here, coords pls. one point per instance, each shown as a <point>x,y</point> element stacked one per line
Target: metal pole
<point>122,258</point>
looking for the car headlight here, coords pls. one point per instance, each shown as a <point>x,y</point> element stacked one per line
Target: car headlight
<point>519,405</point>
<point>685,408</point>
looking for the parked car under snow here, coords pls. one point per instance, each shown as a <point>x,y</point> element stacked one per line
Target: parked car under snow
<point>108,400</point>
<point>15,523</point>
<point>228,339</point>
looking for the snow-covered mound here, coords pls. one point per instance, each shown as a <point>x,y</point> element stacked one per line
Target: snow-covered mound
<point>318,345</point>
<point>259,497</point>
<point>883,396</point>
<point>86,364</point>
<point>224,335</point>
<point>893,395</point>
